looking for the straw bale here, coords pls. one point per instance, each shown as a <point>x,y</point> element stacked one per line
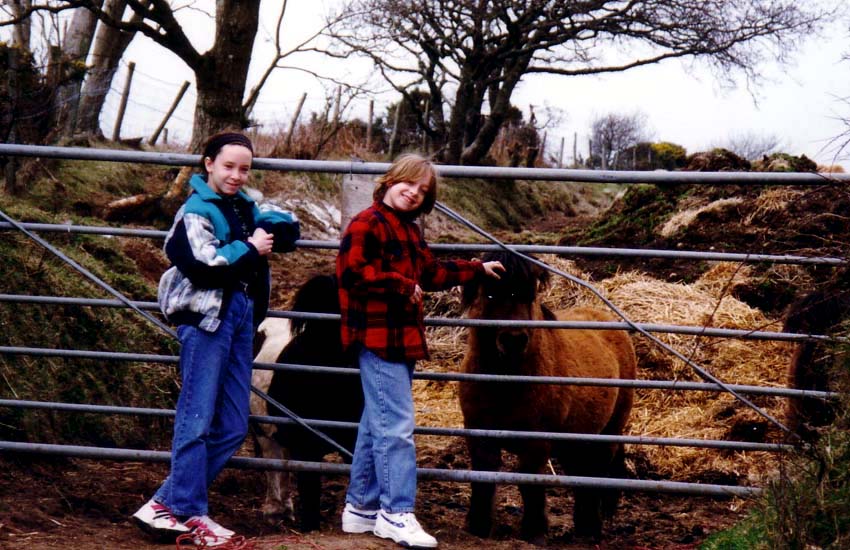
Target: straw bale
<point>681,220</point>
<point>724,275</point>
<point>770,201</point>
<point>706,415</point>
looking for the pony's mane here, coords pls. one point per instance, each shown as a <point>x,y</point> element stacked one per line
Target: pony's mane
<point>520,281</point>
<point>318,295</point>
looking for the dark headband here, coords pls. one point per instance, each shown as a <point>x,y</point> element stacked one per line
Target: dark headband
<point>216,142</point>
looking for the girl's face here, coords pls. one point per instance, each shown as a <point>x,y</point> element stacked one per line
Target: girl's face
<point>228,172</point>
<point>406,196</point>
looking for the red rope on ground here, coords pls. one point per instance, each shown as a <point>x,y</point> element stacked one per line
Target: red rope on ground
<point>198,539</point>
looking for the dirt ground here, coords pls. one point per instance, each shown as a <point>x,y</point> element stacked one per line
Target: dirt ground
<point>54,504</point>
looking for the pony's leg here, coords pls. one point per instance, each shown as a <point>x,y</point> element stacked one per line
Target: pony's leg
<point>278,501</point>
<point>611,497</point>
<point>485,456</point>
<point>535,522</point>
<point>309,488</point>
<point>594,461</point>
<point>587,514</point>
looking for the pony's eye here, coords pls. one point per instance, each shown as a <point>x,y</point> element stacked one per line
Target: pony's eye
<point>489,296</point>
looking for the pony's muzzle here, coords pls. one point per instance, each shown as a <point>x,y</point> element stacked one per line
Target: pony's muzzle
<point>512,342</point>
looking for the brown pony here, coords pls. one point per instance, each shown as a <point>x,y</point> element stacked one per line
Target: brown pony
<point>813,364</point>
<point>540,407</point>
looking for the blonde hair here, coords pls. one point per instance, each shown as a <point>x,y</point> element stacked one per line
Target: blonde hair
<point>409,167</point>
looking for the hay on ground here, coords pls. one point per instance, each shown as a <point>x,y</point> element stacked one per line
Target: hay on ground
<point>685,218</point>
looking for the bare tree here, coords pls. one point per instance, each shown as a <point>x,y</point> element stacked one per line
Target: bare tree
<point>471,55</point>
<point>220,72</point>
<point>22,28</point>
<point>71,57</point>
<point>110,43</point>
<point>613,133</point>
<point>753,146</point>
<point>840,144</point>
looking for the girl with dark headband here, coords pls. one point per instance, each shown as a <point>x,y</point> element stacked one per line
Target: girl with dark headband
<point>217,292</point>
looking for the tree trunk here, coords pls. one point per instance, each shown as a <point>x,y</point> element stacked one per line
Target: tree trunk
<point>457,120</point>
<point>13,186</point>
<point>220,76</point>
<point>500,104</point>
<point>73,68</point>
<point>22,29</point>
<point>109,46</point>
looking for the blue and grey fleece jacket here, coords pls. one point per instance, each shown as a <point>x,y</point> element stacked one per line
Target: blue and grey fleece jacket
<point>211,257</point>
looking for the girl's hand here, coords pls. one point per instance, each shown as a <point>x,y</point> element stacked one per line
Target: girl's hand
<point>416,297</point>
<point>262,241</point>
<point>491,268</point>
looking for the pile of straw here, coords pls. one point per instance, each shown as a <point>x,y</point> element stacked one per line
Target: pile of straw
<point>702,415</point>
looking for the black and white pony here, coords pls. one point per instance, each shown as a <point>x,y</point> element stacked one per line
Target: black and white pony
<point>315,396</point>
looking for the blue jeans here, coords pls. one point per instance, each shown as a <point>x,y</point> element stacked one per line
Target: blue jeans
<point>383,471</point>
<point>212,411</point>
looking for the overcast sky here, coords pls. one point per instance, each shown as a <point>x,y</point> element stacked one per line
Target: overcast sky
<point>797,104</point>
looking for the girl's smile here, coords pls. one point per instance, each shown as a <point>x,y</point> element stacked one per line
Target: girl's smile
<point>407,196</point>
<point>228,172</point>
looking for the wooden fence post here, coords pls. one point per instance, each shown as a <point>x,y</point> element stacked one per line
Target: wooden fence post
<point>356,196</point>
<point>394,134</point>
<point>119,119</point>
<point>575,149</point>
<point>369,125</point>
<point>11,168</point>
<point>337,108</point>
<point>561,154</point>
<point>541,152</point>
<point>295,116</point>
<point>425,126</point>
<point>170,112</point>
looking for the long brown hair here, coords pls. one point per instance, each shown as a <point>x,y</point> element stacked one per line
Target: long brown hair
<point>409,167</point>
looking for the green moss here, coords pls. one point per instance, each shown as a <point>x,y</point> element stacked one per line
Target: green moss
<point>641,210</point>
<point>748,535</point>
<point>506,204</point>
<point>29,269</point>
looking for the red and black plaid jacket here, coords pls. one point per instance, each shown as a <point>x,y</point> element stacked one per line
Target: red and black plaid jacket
<point>382,256</point>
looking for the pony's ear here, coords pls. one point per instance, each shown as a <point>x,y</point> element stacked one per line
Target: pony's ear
<point>470,293</point>
<point>543,278</point>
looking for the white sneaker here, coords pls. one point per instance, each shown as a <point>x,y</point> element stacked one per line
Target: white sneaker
<point>208,532</point>
<point>157,520</point>
<point>403,529</point>
<point>357,520</point>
